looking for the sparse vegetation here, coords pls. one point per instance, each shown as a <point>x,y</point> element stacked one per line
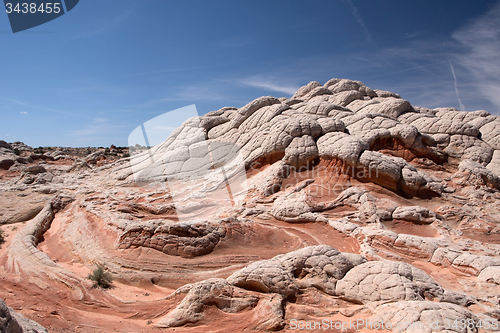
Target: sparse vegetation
<point>39,150</point>
<point>17,152</point>
<point>1,237</point>
<point>101,278</point>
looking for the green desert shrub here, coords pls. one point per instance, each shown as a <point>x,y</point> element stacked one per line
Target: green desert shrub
<point>2,237</point>
<point>100,277</point>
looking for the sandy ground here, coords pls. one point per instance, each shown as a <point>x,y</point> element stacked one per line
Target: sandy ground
<point>135,305</point>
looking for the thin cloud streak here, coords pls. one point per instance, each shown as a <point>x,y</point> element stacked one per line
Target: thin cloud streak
<point>471,53</point>
<point>109,23</point>
<point>97,129</point>
<point>462,108</point>
<point>211,91</point>
<point>36,107</point>
<point>414,34</point>
<point>481,43</point>
<point>192,93</point>
<point>359,19</point>
<point>409,69</point>
<point>268,84</point>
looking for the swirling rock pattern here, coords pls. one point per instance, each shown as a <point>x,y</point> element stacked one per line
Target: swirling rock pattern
<point>341,202</point>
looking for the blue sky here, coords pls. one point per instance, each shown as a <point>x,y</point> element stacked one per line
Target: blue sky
<point>91,76</point>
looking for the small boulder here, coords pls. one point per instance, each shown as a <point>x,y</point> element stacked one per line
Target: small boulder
<point>35,169</point>
<point>4,144</point>
<point>95,157</point>
<point>413,214</point>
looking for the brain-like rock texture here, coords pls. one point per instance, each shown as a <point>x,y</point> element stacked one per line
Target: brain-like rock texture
<point>340,203</point>
<point>211,291</point>
<point>428,317</point>
<point>182,239</point>
<point>387,281</point>
<point>320,266</point>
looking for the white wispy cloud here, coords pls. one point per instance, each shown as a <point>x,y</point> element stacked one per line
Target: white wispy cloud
<point>103,24</point>
<point>480,42</point>
<point>461,70</point>
<point>34,106</point>
<point>268,83</point>
<point>359,19</point>
<point>94,87</point>
<point>100,120</point>
<point>190,94</point>
<point>97,130</point>
<point>415,34</point>
<point>456,87</point>
<point>23,112</point>
<point>205,92</point>
<point>226,91</point>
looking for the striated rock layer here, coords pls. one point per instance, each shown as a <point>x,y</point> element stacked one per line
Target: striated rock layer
<point>339,204</point>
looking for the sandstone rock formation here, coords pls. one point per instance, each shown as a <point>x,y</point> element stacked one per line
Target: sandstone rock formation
<point>339,203</point>
<point>11,321</point>
<point>7,156</point>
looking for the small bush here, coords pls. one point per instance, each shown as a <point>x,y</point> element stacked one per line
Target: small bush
<point>2,237</point>
<point>100,277</point>
<point>17,152</point>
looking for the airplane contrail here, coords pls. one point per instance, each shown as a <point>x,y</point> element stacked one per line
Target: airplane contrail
<point>359,19</point>
<point>462,108</point>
